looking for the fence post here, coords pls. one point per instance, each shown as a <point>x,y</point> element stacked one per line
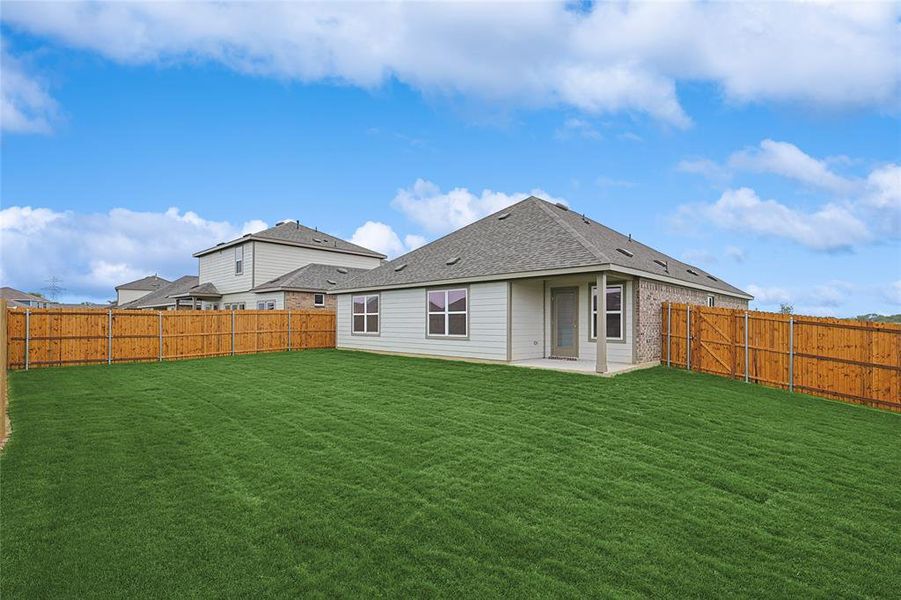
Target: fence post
<point>747,362</point>
<point>4,359</point>
<point>688,336</point>
<point>669,333</point>
<point>109,337</point>
<point>27,337</point>
<point>289,330</point>
<point>233,332</point>
<point>791,354</point>
<point>161,336</point>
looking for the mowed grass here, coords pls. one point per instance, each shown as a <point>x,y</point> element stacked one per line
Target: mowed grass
<point>328,473</point>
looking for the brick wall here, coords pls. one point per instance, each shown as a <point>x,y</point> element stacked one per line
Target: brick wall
<point>304,301</point>
<point>650,295</point>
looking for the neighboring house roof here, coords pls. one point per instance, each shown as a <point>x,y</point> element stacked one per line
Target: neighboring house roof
<point>204,290</point>
<point>531,236</point>
<point>310,278</point>
<point>145,284</point>
<point>163,296</point>
<point>292,233</point>
<point>18,296</point>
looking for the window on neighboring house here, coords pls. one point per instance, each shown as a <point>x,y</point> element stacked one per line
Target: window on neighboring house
<point>318,299</point>
<point>366,314</point>
<point>239,260</point>
<point>447,312</point>
<point>711,300</point>
<point>614,312</point>
<point>264,305</point>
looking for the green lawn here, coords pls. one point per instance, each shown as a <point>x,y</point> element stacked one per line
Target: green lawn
<point>345,474</point>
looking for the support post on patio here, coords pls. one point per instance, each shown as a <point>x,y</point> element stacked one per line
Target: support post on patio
<point>109,337</point>
<point>791,354</point>
<point>669,332</point>
<point>688,337</point>
<point>27,337</point>
<point>601,365</point>
<point>161,334</point>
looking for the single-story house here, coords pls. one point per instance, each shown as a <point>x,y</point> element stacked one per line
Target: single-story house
<point>519,286</point>
<point>166,297</point>
<point>18,298</point>
<point>131,291</point>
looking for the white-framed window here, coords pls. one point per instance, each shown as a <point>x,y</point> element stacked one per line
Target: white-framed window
<point>447,312</point>
<point>365,314</point>
<point>235,306</point>
<point>614,312</point>
<point>239,260</point>
<point>318,299</point>
<point>265,305</point>
<point>711,300</point>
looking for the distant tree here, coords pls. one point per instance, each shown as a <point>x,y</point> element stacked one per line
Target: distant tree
<point>38,294</point>
<point>786,309</point>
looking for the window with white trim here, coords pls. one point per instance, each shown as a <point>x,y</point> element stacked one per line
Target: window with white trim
<point>266,305</point>
<point>614,312</point>
<point>447,312</point>
<point>711,301</point>
<point>239,260</point>
<point>318,299</point>
<point>365,314</point>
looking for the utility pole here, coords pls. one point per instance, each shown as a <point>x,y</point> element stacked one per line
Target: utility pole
<point>53,288</point>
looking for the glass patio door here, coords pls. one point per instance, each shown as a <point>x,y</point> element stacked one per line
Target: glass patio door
<point>565,322</point>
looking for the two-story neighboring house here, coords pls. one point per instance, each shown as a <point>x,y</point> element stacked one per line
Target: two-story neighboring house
<point>286,266</point>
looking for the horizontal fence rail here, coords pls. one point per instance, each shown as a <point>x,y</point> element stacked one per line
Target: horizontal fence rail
<point>854,361</point>
<point>59,337</point>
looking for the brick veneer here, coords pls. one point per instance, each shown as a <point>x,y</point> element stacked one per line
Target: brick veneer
<point>304,301</point>
<point>649,296</point>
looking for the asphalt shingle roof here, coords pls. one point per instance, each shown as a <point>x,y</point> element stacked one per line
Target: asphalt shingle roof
<point>313,277</point>
<point>162,296</point>
<point>12,294</point>
<point>151,282</point>
<point>295,234</point>
<point>532,235</point>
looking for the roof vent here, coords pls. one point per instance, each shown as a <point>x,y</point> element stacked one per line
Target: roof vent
<point>692,271</point>
<point>712,278</point>
<point>453,261</point>
<point>626,252</point>
<point>331,282</point>
<point>561,206</point>
<point>503,216</point>
<point>221,244</point>
<point>586,220</point>
<point>342,270</point>
<point>400,267</point>
<point>662,263</point>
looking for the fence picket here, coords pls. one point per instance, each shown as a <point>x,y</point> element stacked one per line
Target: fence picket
<point>59,337</point>
<point>842,359</point>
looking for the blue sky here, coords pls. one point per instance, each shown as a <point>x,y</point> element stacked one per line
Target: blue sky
<point>133,136</point>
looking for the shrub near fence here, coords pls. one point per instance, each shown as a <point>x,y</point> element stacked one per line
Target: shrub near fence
<point>854,361</point>
<point>58,337</point>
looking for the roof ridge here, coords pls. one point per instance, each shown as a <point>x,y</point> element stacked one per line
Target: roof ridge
<point>545,205</point>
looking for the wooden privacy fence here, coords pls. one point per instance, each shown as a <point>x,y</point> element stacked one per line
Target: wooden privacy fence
<point>854,361</point>
<point>57,337</point>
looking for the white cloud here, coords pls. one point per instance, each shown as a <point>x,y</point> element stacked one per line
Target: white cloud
<point>735,253</point>
<point>25,104</point>
<point>612,57</point>
<point>426,205</point>
<point>892,293</point>
<point>577,128</point>
<point>831,227</point>
<point>768,295</point>
<point>787,160</point>
<point>705,168</point>
<point>382,238</point>
<point>865,210</point>
<point>92,253</point>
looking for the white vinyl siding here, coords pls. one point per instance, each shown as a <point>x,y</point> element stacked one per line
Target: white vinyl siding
<point>218,268</point>
<point>124,296</point>
<point>249,299</point>
<point>274,260</point>
<point>402,327</point>
<point>617,351</point>
<point>527,319</point>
